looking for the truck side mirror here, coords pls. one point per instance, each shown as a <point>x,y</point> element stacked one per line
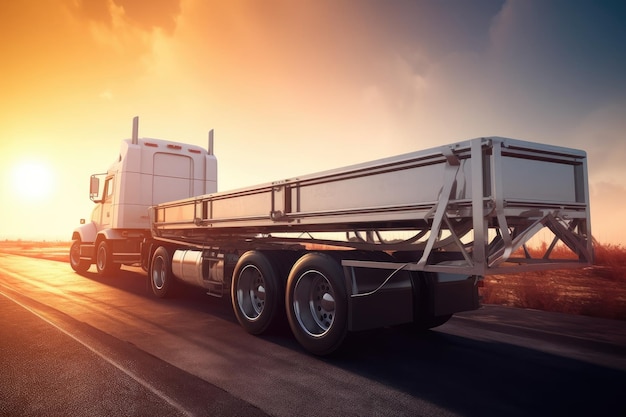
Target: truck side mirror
<point>94,188</point>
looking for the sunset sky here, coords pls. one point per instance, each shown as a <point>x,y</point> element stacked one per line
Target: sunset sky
<point>295,87</point>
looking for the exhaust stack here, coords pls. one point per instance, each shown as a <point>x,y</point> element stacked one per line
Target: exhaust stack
<point>135,137</point>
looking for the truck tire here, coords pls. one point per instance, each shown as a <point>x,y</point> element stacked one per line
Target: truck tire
<point>104,260</point>
<point>317,303</point>
<point>79,265</point>
<point>423,290</point>
<point>256,292</point>
<point>160,273</point>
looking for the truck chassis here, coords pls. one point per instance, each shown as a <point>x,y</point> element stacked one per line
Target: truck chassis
<point>405,239</point>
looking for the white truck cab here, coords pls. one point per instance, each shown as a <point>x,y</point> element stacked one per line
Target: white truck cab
<point>147,172</point>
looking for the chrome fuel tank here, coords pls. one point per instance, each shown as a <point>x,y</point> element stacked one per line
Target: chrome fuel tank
<point>198,267</point>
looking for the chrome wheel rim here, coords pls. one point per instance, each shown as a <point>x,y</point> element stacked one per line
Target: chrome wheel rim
<point>101,257</point>
<point>158,273</point>
<point>75,254</point>
<point>314,303</point>
<point>251,292</point>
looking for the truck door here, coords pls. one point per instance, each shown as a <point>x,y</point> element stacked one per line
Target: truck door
<point>107,201</point>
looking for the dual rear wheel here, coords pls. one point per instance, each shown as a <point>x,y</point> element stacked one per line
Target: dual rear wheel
<point>267,284</point>
<point>314,298</point>
<point>104,259</point>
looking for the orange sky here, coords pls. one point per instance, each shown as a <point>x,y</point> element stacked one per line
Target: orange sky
<point>298,87</point>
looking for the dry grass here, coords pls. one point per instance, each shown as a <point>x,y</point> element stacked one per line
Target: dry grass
<point>599,290</point>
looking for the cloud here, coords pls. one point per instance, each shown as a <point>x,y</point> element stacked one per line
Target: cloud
<point>160,14</point>
<point>95,10</point>
<point>533,71</point>
<point>106,95</point>
<point>562,50</point>
<point>601,134</point>
<point>147,16</point>
<point>111,27</point>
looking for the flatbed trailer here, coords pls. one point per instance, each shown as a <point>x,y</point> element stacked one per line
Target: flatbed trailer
<point>405,239</point>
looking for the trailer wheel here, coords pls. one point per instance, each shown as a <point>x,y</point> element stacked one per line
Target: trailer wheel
<point>256,292</point>
<point>317,304</point>
<point>160,273</point>
<point>79,265</point>
<point>424,318</point>
<point>104,260</point>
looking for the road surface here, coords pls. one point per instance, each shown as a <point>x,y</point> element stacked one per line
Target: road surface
<point>85,345</point>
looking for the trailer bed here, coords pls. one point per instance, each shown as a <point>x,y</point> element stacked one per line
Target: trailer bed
<point>471,206</point>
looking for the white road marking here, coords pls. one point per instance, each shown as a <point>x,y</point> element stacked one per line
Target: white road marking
<point>179,407</point>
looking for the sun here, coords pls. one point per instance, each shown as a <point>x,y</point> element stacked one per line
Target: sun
<point>32,180</point>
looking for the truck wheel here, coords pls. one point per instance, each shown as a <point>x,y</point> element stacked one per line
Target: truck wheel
<point>79,265</point>
<point>256,292</point>
<point>104,260</point>
<point>317,304</point>
<point>160,273</point>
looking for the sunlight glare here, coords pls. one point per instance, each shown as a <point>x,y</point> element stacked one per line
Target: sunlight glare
<point>32,180</point>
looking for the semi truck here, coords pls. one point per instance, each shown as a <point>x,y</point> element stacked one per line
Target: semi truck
<point>403,240</point>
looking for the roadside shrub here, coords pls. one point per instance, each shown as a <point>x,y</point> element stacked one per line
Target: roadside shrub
<point>610,261</point>
<point>599,290</point>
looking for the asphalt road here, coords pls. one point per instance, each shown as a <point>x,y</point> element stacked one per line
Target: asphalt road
<point>87,346</point>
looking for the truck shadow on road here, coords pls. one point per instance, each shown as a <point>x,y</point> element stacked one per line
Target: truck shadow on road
<point>469,376</point>
<point>483,378</point>
<point>135,281</point>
